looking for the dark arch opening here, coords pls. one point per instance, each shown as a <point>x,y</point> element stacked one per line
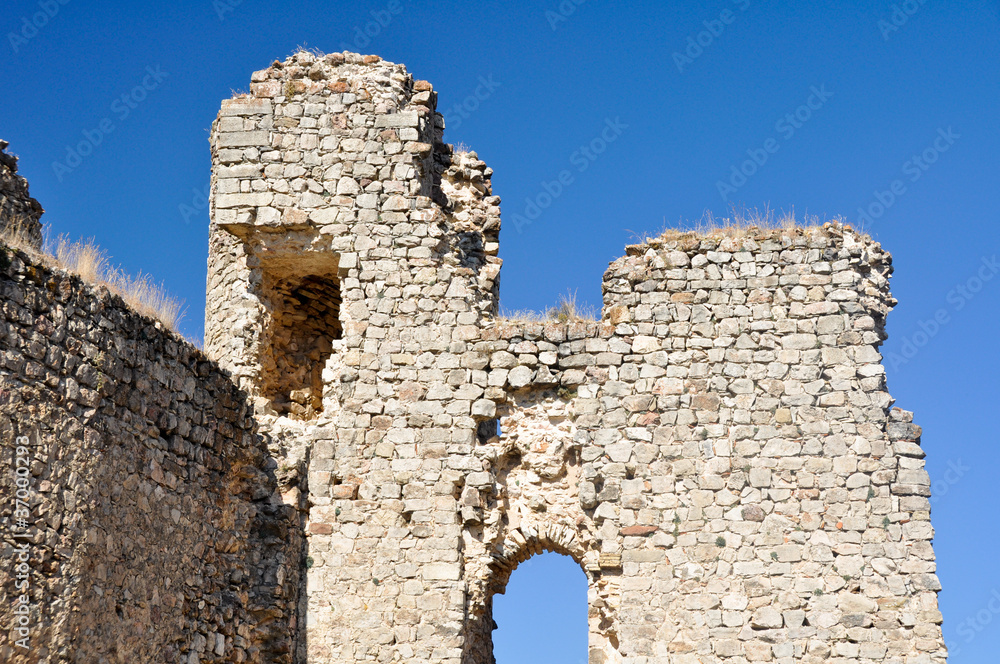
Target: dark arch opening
<point>542,615</point>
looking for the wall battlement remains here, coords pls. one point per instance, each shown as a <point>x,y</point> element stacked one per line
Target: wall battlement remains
<point>370,451</point>
<point>17,208</point>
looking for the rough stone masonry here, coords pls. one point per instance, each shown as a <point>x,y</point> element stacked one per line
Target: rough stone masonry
<point>718,453</point>
<point>18,210</point>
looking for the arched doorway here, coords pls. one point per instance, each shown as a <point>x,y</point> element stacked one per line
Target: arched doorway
<point>532,515</point>
<point>542,616</point>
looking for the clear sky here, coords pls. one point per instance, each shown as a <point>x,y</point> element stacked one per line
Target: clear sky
<point>832,107</point>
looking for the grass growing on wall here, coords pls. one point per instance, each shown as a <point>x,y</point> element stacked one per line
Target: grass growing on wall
<point>566,311</point>
<point>740,223</point>
<point>92,264</point>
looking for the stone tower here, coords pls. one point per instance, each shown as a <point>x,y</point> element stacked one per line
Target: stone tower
<point>352,260</point>
<point>719,453</point>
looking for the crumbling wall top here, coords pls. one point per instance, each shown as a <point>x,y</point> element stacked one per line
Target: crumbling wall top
<point>18,210</point>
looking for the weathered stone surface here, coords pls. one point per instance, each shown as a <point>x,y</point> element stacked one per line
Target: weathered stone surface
<point>152,531</point>
<point>718,453</point>
<point>244,139</point>
<point>18,210</point>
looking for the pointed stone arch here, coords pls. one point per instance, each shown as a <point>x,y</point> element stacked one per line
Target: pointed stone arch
<point>520,545</point>
<point>534,507</point>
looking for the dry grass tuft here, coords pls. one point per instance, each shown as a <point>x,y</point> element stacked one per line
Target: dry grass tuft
<point>566,311</point>
<point>305,48</point>
<point>84,258</point>
<point>147,296</point>
<point>740,223</point>
<point>16,236</point>
<point>90,262</point>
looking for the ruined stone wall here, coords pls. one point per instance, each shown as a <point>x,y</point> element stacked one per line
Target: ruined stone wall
<point>718,453</point>
<point>331,162</point>
<point>332,173</point>
<point>17,208</point>
<point>152,530</point>
<point>721,457</point>
<point>376,452</point>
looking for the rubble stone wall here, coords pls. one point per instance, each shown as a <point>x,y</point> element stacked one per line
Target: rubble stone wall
<point>368,452</point>
<point>17,208</point>
<point>719,453</point>
<point>152,532</point>
<point>332,171</point>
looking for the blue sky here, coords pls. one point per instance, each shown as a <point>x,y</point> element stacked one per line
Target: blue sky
<point>839,106</point>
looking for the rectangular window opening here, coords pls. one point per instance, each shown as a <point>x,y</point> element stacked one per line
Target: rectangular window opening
<point>303,328</point>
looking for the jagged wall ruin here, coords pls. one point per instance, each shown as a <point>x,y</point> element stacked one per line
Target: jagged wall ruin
<point>150,527</point>
<point>18,210</point>
<point>721,456</point>
<point>718,453</point>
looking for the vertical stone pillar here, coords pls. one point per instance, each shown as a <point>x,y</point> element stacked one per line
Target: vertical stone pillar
<point>352,257</point>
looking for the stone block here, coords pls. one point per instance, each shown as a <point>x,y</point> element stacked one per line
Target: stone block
<point>235,139</point>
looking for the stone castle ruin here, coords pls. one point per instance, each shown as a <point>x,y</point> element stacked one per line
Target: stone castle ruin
<point>365,451</point>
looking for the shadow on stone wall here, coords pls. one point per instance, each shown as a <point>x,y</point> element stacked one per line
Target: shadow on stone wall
<point>153,524</point>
